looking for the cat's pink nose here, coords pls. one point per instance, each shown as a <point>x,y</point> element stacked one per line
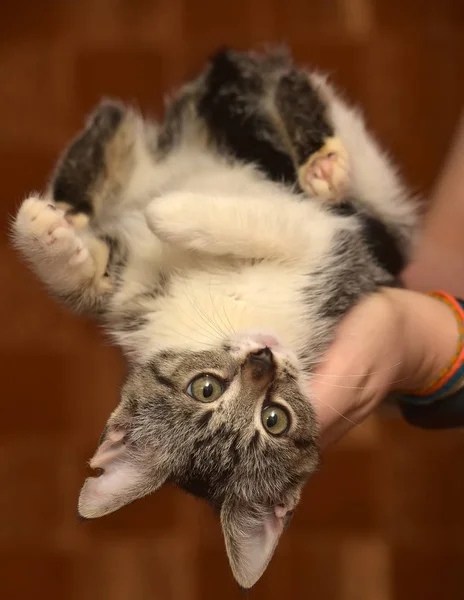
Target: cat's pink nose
<point>266,340</point>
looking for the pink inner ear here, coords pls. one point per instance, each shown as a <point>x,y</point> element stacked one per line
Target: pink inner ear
<point>116,481</point>
<point>281,511</point>
<point>255,547</point>
<point>274,524</point>
<point>119,485</point>
<point>108,450</point>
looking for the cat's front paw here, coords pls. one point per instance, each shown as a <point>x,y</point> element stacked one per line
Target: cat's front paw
<point>175,218</point>
<point>44,236</point>
<point>326,172</point>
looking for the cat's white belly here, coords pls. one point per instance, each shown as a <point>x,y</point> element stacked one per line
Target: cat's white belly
<point>207,308</point>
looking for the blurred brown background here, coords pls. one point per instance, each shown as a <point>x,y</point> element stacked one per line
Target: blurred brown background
<point>385,518</point>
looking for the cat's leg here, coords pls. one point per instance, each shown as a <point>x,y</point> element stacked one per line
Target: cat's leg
<point>374,183</point>
<point>108,168</point>
<point>320,156</point>
<point>244,227</point>
<point>70,263</point>
<point>63,235</point>
<point>340,160</point>
<point>325,174</point>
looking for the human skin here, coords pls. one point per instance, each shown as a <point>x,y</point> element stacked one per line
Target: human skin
<point>439,259</point>
<point>396,340</point>
<point>399,340</point>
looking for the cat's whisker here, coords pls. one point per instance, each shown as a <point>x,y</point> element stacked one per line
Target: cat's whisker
<point>399,380</point>
<point>211,332</point>
<point>210,323</point>
<point>228,320</point>
<point>367,373</point>
<point>232,329</point>
<point>223,332</point>
<point>209,345</point>
<point>319,361</point>
<point>335,385</point>
<point>214,308</point>
<point>217,335</point>
<point>196,327</point>
<point>337,412</point>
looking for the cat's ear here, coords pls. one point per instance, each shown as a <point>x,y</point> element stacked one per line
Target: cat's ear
<point>251,536</point>
<point>122,479</point>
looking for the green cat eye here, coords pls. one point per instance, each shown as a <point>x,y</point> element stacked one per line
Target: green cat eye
<point>275,419</point>
<point>206,388</point>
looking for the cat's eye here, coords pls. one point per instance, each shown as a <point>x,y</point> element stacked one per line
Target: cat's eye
<point>206,388</point>
<point>275,419</point>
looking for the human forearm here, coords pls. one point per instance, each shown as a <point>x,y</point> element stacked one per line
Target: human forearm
<point>438,262</point>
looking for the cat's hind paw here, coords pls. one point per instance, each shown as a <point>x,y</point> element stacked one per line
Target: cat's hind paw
<point>40,227</point>
<point>326,172</point>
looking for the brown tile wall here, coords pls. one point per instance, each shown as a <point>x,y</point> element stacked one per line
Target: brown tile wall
<point>385,518</point>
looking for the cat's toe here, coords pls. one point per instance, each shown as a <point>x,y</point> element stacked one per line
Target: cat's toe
<point>37,218</point>
<point>79,256</point>
<point>326,173</point>
<point>32,207</point>
<point>65,242</point>
<point>42,232</point>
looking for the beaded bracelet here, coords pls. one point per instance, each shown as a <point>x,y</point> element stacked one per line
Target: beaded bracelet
<point>451,377</point>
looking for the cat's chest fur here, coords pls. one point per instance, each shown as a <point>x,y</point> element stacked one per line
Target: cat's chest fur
<point>202,300</point>
<point>206,308</point>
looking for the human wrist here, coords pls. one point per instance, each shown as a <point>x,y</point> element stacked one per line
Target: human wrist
<point>428,340</point>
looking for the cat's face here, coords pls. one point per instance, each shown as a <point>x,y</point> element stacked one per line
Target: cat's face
<point>232,425</point>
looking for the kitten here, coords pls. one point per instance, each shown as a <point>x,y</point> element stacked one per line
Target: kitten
<point>220,248</point>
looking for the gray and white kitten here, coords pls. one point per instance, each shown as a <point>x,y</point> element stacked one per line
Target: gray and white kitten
<point>220,248</point>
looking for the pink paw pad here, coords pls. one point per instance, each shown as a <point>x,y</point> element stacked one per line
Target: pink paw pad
<point>58,230</point>
<point>326,173</point>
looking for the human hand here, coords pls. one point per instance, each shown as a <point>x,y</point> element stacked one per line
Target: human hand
<point>394,340</point>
